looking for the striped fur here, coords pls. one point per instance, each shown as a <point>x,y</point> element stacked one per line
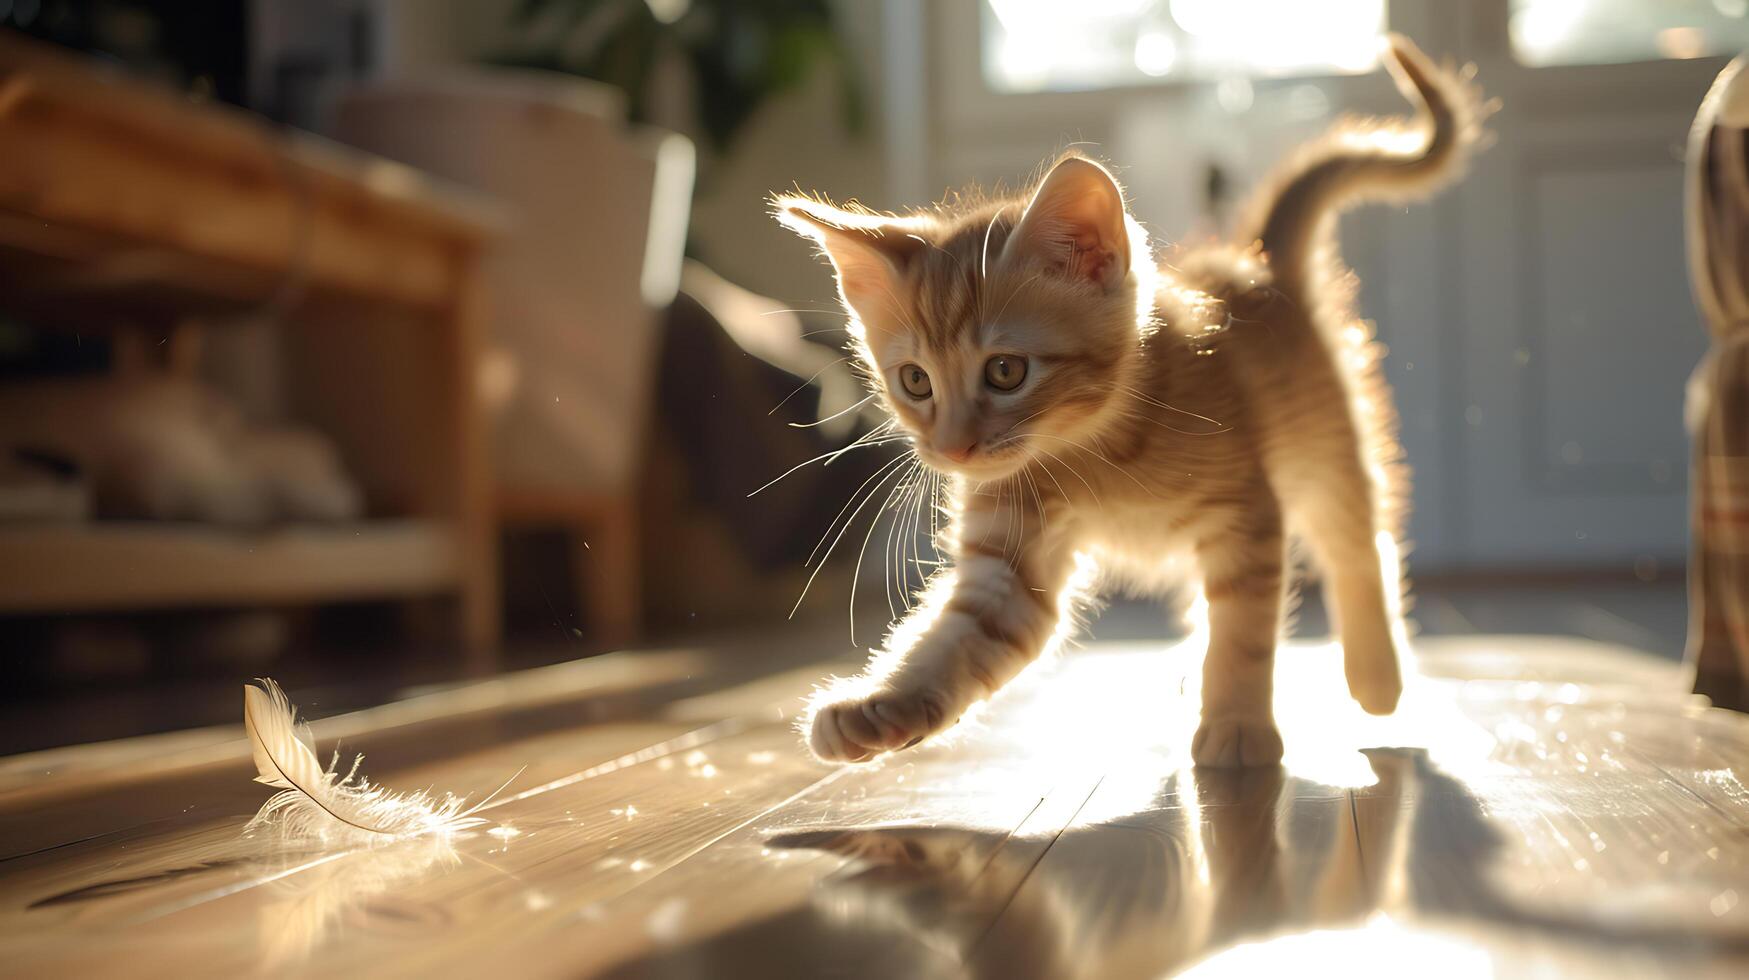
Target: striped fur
<point>1202,406</point>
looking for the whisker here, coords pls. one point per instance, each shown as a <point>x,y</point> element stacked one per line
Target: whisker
<point>856,570</point>
<point>1099,456</point>
<point>886,428</point>
<point>889,561</point>
<point>887,556</point>
<point>1145,417</point>
<point>805,384</point>
<point>880,432</point>
<point>1044,526</point>
<point>1072,472</point>
<point>1171,408</point>
<point>931,505</point>
<point>838,414</point>
<point>989,526</point>
<point>869,440</point>
<point>1047,472</point>
<point>847,523</point>
<point>925,499</point>
<point>895,566</point>
<point>908,539</point>
<point>1029,418</point>
<point>853,496</point>
<point>833,454</point>
<point>1018,512</point>
<point>1001,501</point>
<point>934,511</point>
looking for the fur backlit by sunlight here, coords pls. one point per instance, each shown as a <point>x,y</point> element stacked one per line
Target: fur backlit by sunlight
<point>1066,399</point>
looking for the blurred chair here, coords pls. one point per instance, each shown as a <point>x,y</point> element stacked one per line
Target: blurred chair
<point>1718,394</point>
<point>594,254</point>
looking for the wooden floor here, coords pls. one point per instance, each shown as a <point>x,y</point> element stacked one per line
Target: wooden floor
<point>1537,807</point>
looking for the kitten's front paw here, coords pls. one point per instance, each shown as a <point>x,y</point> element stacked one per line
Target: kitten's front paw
<point>860,729</point>
<point>1230,741</point>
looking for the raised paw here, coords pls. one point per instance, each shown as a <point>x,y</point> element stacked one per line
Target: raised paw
<point>1374,677</point>
<point>860,729</point>
<point>1377,693</point>
<point>1229,742</point>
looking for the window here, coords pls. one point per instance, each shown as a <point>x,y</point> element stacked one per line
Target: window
<point>1606,32</point>
<point>1066,45</point>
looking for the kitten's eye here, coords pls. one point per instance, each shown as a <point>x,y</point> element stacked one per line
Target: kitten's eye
<point>1005,372</point>
<point>916,381</point>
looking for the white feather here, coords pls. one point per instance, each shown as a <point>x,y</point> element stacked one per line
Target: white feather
<point>317,802</point>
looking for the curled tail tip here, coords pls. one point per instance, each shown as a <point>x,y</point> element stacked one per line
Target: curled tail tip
<point>1416,75</point>
<point>1341,171</point>
<point>1402,49</point>
<point>1447,91</point>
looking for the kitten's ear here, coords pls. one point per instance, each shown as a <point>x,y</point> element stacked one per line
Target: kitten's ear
<point>869,251</point>
<point>1076,225</point>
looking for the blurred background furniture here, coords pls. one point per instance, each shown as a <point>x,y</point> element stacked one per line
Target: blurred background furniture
<point>1718,395</point>
<point>124,204</point>
<point>600,214</point>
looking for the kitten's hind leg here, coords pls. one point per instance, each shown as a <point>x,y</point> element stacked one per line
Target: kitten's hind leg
<point>1242,581</point>
<point>1366,625</point>
<point>1338,514</point>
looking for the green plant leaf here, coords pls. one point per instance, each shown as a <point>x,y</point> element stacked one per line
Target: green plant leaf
<point>741,52</point>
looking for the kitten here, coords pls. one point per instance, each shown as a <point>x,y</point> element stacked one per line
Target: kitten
<point>1084,400</point>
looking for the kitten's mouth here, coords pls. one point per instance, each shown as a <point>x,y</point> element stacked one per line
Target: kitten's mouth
<point>985,463</point>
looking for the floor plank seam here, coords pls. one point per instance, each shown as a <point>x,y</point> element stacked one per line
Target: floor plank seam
<point>1006,838</point>
<point>1681,785</point>
<point>649,753</point>
<point>243,886</point>
<point>972,952</point>
<point>1372,899</point>
<point>86,839</point>
<point>820,783</point>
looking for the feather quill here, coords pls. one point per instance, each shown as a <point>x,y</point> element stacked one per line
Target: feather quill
<point>318,802</point>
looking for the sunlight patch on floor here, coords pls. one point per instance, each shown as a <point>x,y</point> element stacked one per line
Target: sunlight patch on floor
<point>1380,948</point>
<point>1129,711</point>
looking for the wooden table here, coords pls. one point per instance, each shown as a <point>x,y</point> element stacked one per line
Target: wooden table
<point>125,205</point>
<point>1537,807</point>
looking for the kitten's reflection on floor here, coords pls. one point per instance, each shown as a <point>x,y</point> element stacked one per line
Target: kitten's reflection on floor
<point>1221,857</point>
<point>1224,856</point>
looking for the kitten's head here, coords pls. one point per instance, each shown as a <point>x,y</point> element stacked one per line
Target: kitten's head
<point>995,332</point>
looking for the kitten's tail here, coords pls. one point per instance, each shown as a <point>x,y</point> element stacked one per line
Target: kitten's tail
<point>1370,160</point>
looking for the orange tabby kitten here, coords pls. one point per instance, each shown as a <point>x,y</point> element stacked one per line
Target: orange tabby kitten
<point>1084,400</point>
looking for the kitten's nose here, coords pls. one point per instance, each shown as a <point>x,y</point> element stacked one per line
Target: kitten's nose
<point>961,452</point>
